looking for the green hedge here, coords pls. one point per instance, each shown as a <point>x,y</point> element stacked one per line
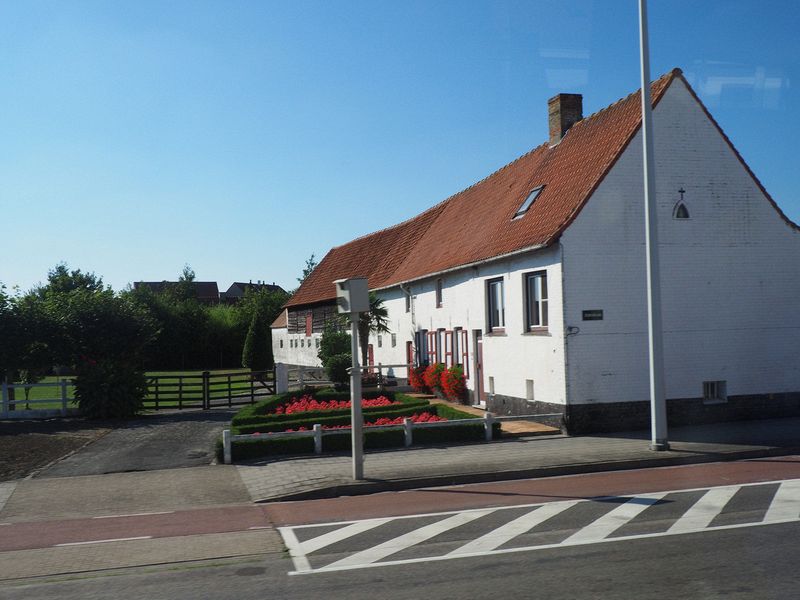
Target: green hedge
<point>257,414</point>
<point>380,438</point>
<point>373,439</point>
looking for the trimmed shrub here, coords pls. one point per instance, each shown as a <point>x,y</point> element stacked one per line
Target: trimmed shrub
<point>416,379</point>
<point>336,368</point>
<point>433,376</point>
<point>454,386</point>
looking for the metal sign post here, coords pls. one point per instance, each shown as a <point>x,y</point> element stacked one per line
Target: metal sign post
<point>356,420</point>
<point>352,297</point>
<point>658,407</point>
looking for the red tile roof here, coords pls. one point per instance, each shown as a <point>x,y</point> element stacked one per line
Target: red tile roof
<point>280,321</point>
<point>476,224</point>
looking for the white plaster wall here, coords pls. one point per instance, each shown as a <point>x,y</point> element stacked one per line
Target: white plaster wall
<point>730,274</point>
<point>511,358</point>
<point>305,354</point>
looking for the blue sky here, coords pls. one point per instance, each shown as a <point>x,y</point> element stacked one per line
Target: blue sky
<point>241,137</point>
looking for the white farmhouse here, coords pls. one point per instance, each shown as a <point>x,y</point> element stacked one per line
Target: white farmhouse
<point>534,278</point>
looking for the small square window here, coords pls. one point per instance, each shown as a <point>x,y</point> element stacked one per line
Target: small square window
<point>439,293</point>
<point>380,341</point>
<point>715,392</point>
<point>408,301</point>
<point>394,340</point>
<point>317,342</point>
<point>281,343</point>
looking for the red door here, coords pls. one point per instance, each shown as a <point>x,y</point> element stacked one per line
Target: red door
<point>409,353</point>
<point>480,394</point>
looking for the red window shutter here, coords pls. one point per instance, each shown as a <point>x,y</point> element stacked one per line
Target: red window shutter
<point>308,325</point>
<point>431,347</point>
<point>448,349</point>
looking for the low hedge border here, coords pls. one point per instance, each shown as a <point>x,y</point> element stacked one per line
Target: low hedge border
<point>257,414</point>
<point>338,418</point>
<point>376,439</point>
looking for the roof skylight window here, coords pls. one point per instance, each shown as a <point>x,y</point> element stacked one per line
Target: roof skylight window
<point>528,202</point>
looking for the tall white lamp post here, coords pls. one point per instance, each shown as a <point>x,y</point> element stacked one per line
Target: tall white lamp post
<point>352,297</point>
<point>658,406</point>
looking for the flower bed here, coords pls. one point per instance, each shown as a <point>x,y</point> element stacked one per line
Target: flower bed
<point>400,407</point>
<point>308,403</point>
<point>265,411</point>
<point>424,417</point>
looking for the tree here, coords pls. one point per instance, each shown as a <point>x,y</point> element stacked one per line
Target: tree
<point>185,289</point>
<point>257,352</point>
<point>334,341</point>
<point>334,353</point>
<point>102,335</point>
<point>311,264</point>
<point>374,321</point>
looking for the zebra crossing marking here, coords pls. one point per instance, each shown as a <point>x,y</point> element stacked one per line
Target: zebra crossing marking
<point>611,521</point>
<point>784,507</point>
<point>506,533</point>
<point>702,512</point>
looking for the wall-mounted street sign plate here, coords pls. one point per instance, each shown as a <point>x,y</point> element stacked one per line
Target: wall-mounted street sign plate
<point>593,315</point>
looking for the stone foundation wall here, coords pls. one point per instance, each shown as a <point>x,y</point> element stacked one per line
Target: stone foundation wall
<point>624,416</point>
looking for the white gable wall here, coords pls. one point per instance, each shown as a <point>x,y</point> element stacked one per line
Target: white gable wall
<point>730,274</point>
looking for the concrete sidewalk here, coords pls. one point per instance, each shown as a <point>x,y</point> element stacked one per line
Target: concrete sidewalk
<point>328,476</point>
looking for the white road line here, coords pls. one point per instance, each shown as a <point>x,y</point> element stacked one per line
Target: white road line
<point>611,521</point>
<point>141,537</point>
<point>4,524</point>
<point>407,540</point>
<point>143,514</point>
<point>512,529</point>
<point>259,527</point>
<point>299,559</point>
<point>786,502</point>
<point>702,512</point>
<point>338,535</point>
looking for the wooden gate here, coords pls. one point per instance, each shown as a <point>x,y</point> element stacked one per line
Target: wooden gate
<point>208,390</point>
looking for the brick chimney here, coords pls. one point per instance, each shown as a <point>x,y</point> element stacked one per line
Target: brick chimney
<point>563,111</point>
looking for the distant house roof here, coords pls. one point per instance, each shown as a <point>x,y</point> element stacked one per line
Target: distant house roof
<point>478,223</point>
<point>243,287</point>
<point>206,290</point>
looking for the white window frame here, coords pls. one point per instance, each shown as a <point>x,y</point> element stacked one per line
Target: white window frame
<point>537,313</point>
<point>495,304</point>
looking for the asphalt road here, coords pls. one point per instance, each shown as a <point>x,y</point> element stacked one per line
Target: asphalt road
<point>725,530</point>
<point>160,441</point>
<point>754,563</point>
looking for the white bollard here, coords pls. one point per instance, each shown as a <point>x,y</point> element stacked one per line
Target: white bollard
<point>488,421</point>
<point>317,438</point>
<point>407,429</point>
<point>226,445</point>
<point>281,378</point>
